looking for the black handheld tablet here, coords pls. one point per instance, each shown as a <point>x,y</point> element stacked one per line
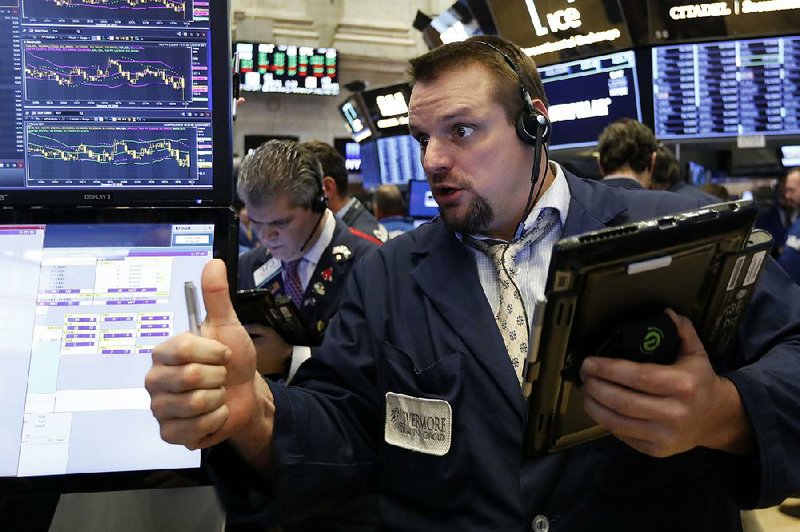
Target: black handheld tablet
<point>603,283</point>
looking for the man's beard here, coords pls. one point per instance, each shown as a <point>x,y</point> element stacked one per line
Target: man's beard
<point>477,220</point>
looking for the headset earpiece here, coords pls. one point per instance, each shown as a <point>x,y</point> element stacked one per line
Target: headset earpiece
<point>320,201</point>
<point>533,125</point>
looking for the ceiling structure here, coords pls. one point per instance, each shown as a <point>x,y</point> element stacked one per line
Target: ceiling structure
<point>370,35</point>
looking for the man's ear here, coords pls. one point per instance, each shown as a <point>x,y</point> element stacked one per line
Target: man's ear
<point>540,106</point>
<point>329,186</point>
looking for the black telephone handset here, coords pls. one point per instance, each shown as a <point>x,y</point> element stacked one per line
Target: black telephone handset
<point>277,311</point>
<point>251,306</point>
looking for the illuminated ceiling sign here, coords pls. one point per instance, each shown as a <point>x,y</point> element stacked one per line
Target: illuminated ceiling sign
<point>682,20</point>
<point>552,31</point>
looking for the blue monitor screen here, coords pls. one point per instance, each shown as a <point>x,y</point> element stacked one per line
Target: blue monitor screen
<point>114,102</point>
<point>728,88</point>
<point>588,94</point>
<point>370,166</point>
<point>420,200</point>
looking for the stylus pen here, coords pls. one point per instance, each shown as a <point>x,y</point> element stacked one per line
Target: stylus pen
<point>190,292</point>
<point>533,346</point>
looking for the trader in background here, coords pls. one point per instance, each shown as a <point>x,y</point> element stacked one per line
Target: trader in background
<point>391,210</point>
<point>306,252</point>
<point>627,151</point>
<point>347,208</point>
<point>668,175</point>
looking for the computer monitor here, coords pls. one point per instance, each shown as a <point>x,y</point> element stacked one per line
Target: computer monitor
<point>387,108</point>
<point>370,165</point>
<point>115,103</point>
<point>790,156</point>
<point>89,293</point>
<point>351,151</point>
<point>727,88</point>
<point>587,94</point>
<point>356,119</point>
<point>399,160</point>
<point>421,204</point>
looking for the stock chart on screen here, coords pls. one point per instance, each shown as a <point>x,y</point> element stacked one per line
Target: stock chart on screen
<point>107,94</point>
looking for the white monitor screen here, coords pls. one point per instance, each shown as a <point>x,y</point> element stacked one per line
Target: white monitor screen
<point>82,307</point>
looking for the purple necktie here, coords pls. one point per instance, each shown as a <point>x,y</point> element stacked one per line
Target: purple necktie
<point>291,281</point>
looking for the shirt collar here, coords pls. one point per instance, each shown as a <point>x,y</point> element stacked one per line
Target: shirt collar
<point>557,197</point>
<point>347,206</point>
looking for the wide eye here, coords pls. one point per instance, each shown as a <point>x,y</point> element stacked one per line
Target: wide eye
<point>423,141</point>
<point>463,131</point>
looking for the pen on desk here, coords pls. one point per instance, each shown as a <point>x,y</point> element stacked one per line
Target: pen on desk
<point>190,292</point>
<point>528,373</point>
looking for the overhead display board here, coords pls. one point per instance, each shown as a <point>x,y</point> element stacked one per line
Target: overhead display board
<point>587,94</point>
<point>727,88</point>
<point>684,20</point>
<point>554,31</point>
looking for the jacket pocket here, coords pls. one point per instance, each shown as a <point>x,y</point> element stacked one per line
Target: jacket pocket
<point>413,469</point>
<point>403,372</point>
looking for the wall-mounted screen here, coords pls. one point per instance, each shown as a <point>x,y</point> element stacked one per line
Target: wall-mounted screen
<point>394,160</point>
<point>94,292</point>
<point>370,165</point>
<point>727,88</point>
<point>109,102</point>
<point>681,20</point>
<point>267,67</point>
<point>421,204</point>
<point>355,118</point>
<point>387,108</point>
<point>790,156</point>
<point>587,94</point>
<point>351,151</point>
<point>553,31</point>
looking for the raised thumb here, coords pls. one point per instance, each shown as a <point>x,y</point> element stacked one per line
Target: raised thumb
<point>216,297</point>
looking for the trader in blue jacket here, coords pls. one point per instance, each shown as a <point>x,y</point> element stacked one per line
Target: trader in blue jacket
<point>414,393</point>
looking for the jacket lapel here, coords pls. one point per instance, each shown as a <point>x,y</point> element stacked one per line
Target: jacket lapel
<point>592,206</point>
<point>449,279</point>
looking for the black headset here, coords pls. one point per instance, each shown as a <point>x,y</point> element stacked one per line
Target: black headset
<point>532,126</point>
<point>320,201</point>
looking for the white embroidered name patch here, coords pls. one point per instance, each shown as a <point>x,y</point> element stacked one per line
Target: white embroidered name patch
<point>418,424</point>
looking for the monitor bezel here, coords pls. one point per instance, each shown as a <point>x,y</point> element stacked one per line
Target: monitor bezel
<point>224,248</point>
<point>221,192</point>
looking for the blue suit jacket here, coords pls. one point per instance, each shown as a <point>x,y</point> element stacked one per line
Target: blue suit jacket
<point>790,258</point>
<point>325,288</point>
<point>415,321</point>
